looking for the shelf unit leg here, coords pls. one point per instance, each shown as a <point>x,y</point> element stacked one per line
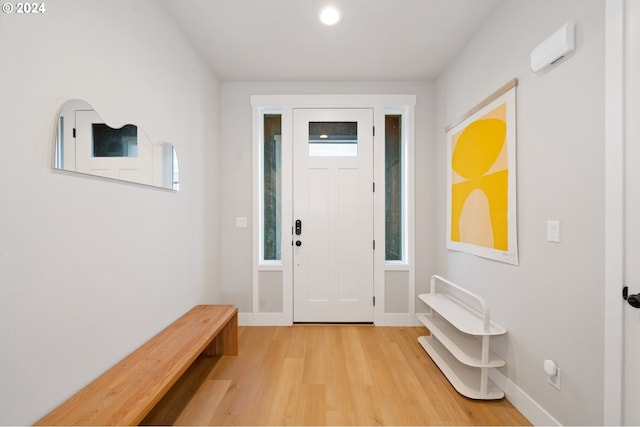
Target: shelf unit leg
<point>484,381</point>
<point>484,372</point>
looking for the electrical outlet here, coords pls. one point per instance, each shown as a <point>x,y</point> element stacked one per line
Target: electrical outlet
<point>555,379</point>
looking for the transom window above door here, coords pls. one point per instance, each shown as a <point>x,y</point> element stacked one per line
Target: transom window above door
<point>333,139</point>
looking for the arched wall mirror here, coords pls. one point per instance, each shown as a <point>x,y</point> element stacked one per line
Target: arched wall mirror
<point>86,144</point>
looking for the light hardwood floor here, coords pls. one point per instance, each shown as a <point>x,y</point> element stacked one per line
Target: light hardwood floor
<point>324,375</point>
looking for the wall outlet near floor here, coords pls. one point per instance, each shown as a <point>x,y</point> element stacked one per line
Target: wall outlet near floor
<point>555,380</point>
<point>553,373</point>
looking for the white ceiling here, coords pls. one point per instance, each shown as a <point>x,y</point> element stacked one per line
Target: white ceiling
<point>282,40</point>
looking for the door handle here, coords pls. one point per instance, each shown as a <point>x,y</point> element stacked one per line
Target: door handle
<point>633,300</point>
<point>298,228</point>
<point>298,243</point>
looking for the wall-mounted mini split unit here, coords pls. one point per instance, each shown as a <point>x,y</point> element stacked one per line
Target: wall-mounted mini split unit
<point>554,48</point>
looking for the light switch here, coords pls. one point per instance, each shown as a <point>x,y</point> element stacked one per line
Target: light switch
<point>553,231</point>
<point>241,222</point>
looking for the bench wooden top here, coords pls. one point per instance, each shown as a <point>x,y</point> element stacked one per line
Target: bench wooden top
<point>129,390</point>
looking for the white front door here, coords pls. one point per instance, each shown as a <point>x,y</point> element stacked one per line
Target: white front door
<point>333,215</point>
<point>631,377</point>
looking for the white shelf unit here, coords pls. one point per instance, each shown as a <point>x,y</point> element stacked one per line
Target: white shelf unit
<point>461,327</point>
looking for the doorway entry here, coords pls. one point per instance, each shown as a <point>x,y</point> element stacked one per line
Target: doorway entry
<point>319,164</point>
<point>333,244</point>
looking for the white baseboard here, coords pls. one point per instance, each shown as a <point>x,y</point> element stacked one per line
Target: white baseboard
<point>528,407</point>
<point>245,319</point>
<point>395,319</point>
<point>263,319</point>
<point>281,319</point>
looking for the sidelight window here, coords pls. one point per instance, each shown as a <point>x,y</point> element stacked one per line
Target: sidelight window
<point>394,212</point>
<point>272,188</point>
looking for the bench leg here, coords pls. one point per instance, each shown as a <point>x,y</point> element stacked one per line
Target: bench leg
<point>227,340</point>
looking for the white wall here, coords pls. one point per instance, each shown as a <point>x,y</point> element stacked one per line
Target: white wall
<point>237,172</point>
<point>552,304</point>
<point>92,268</point>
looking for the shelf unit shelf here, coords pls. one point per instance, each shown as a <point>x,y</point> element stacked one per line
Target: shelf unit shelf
<point>460,315</point>
<point>463,378</point>
<point>459,341</point>
<point>466,348</point>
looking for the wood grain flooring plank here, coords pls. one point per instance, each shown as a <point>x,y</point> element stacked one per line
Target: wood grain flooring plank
<point>358,371</point>
<point>204,404</point>
<point>283,403</point>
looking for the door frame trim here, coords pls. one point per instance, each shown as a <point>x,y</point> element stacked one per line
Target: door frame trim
<point>284,104</point>
<point>615,34</point>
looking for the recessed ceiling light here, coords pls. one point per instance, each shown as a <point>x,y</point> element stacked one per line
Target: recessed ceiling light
<point>330,15</point>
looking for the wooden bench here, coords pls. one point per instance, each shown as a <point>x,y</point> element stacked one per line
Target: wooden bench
<point>125,393</point>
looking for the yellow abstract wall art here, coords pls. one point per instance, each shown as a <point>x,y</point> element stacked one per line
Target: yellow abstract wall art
<point>481,180</point>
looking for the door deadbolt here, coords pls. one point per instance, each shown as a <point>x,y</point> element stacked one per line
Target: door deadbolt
<point>298,227</point>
